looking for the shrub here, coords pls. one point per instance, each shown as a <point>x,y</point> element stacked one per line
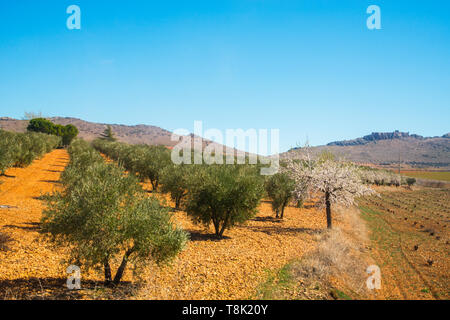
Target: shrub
<point>103,214</point>
<point>410,181</point>
<point>280,188</point>
<point>224,195</point>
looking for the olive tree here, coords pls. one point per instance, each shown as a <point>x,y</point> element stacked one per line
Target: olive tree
<point>224,195</point>
<point>175,180</point>
<point>103,216</point>
<point>280,189</point>
<point>150,163</point>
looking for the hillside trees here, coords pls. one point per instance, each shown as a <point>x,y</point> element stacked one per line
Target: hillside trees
<point>104,217</point>
<point>223,195</point>
<point>67,133</point>
<point>108,134</point>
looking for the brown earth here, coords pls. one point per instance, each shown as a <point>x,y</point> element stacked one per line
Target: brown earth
<point>410,239</point>
<point>207,269</point>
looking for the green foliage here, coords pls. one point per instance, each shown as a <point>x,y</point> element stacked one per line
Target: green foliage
<point>67,133</point>
<point>410,181</point>
<point>280,188</point>
<point>103,214</point>
<point>224,195</point>
<point>147,162</point>
<point>175,180</point>
<point>20,149</point>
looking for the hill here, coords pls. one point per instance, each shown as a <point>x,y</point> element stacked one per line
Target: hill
<point>151,135</point>
<point>387,149</point>
<point>137,134</point>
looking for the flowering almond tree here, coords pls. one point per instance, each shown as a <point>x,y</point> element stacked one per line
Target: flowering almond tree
<point>335,182</point>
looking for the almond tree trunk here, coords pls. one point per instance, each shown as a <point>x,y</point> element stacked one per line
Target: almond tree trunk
<point>328,208</point>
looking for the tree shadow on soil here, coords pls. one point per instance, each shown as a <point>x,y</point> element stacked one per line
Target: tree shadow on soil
<point>197,236</point>
<point>30,226</point>
<point>56,289</point>
<point>6,175</point>
<point>270,230</point>
<point>267,218</point>
<point>51,181</point>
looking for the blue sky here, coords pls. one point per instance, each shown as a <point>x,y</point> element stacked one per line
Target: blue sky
<point>309,68</point>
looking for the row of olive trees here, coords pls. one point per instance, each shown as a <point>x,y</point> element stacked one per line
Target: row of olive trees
<point>147,162</point>
<point>218,195</point>
<point>20,149</point>
<point>381,177</point>
<point>105,218</point>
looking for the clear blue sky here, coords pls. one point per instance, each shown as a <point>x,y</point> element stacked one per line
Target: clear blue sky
<point>310,68</point>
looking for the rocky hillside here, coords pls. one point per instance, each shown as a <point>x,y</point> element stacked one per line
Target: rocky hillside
<point>387,149</point>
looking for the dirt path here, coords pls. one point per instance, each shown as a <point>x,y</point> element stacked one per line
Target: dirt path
<point>208,269</point>
<point>29,255</point>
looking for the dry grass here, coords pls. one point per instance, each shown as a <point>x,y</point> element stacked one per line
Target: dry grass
<point>334,270</point>
<point>340,259</point>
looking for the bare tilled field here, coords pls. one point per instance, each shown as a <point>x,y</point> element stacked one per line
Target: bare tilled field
<point>231,268</point>
<point>410,233</point>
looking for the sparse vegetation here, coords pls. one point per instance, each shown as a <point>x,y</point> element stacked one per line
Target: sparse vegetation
<point>409,228</point>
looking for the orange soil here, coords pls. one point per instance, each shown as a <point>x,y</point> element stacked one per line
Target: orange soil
<point>207,269</point>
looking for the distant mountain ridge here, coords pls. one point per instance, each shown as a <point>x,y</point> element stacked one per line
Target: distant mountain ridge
<point>377,136</point>
<point>388,149</point>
